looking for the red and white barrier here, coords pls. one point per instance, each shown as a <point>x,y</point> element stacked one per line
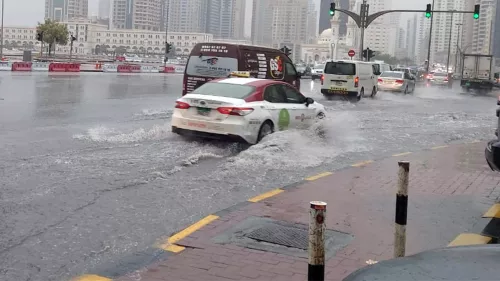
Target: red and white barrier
<point>5,66</point>
<point>21,66</point>
<point>64,67</point>
<point>128,68</point>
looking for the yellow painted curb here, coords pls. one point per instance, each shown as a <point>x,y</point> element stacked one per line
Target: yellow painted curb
<point>402,154</point>
<point>91,278</point>
<point>265,195</point>
<point>170,246</point>
<point>465,239</point>
<point>361,164</point>
<point>493,212</point>
<point>318,176</point>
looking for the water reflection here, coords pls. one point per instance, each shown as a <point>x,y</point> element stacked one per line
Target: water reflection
<point>137,86</point>
<point>57,95</point>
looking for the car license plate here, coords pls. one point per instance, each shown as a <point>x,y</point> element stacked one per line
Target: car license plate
<point>339,83</point>
<point>204,111</point>
<point>337,90</point>
<point>388,82</point>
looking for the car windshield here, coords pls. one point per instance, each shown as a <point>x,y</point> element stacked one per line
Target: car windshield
<point>440,74</point>
<point>224,90</point>
<point>340,68</point>
<point>392,74</point>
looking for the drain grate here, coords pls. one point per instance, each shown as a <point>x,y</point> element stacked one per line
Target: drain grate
<point>292,237</point>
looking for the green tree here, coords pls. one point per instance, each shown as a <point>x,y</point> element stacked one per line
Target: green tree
<point>53,33</point>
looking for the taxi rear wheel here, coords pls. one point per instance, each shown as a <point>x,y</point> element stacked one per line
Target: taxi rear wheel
<point>266,129</point>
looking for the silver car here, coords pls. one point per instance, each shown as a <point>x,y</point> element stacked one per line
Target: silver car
<point>439,78</point>
<point>396,81</point>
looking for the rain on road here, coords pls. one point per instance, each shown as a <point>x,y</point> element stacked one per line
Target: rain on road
<point>90,171</point>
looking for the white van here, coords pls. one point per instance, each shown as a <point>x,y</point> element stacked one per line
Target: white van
<point>349,78</point>
<point>379,67</point>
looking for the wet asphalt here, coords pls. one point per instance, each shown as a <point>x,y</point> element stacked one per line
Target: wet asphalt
<point>90,172</point>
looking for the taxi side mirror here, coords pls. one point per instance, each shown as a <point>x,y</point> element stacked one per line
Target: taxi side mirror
<point>309,101</point>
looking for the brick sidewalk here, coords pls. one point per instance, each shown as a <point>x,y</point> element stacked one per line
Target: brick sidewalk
<point>450,188</point>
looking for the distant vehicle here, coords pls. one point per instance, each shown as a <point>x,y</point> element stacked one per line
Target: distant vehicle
<point>477,72</point>
<point>349,79</point>
<point>209,61</point>
<point>439,79</point>
<point>397,81</point>
<point>134,58</point>
<point>304,71</point>
<point>317,71</point>
<point>243,109</point>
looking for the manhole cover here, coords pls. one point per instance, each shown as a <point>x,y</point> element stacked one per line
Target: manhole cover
<point>281,235</point>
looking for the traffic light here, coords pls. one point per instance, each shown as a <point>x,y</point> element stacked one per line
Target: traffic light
<point>73,38</point>
<point>428,11</point>
<point>476,11</point>
<point>368,54</point>
<point>286,50</point>
<point>39,36</point>
<point>332,9</point>
<point>169,47</point>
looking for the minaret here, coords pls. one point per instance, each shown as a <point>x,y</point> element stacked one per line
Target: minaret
<point>352,28</point>
<point>335,23</point>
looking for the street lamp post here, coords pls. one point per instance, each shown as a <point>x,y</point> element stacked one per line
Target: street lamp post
<point>166,11</point>
<point>457,56</point>
<point>1,35</point>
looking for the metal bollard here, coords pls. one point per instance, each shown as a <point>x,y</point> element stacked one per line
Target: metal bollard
<point>401,210</point>
<point>316,269</point>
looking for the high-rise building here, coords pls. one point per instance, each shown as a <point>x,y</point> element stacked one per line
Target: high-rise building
<point>280,22</point>
<point>411,38</point>
<point>422,39</point>
<point>312,23</point>
<point>225,18</point>
<point>324,16</point>
<point>63,10</point>
<point>137,14</point>
<point>496,33</point>
<point>482,31</point>
<point>104,9</point>
<point>187,16</point>
<point>445,25</point>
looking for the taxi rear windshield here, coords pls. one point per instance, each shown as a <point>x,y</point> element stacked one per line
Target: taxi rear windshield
<point>225,90</point>
<point>340,68</point>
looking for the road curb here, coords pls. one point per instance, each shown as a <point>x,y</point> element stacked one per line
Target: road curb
<point>166,247</point>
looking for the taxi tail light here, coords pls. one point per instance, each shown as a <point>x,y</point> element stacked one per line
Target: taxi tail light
<point>238,111</point>
<point>356,82</point>
<point>446,79</point>
<point>182,105</point>
<point>380,80</point>
<point>400,81</point>
<point>322,78</point>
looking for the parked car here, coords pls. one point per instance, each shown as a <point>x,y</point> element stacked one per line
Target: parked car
<point>492,150</point>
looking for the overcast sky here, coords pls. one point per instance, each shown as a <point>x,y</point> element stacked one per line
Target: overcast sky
<point>30,12</point>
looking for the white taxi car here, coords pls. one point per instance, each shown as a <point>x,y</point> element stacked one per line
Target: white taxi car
<point>243,109</point>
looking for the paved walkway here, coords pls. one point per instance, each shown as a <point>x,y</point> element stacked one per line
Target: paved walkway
<point>450,188</point>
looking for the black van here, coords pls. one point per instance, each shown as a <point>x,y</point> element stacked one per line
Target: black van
<point>209,61</point>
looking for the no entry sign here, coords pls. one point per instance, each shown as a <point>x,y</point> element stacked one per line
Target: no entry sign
<point>351,53</point>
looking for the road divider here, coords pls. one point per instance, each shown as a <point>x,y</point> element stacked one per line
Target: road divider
<point>21,66</point>
<point>5,66</point>
<point>64,67</point>
<point>40,66</point>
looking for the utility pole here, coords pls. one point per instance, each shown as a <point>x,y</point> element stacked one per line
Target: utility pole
<point>430,42</point>
<point>449,46</point>
<point>72,39</point>
<point>1,37</point>
<point>459,25</point>
<point>166,11</point>
<point>363,24</point>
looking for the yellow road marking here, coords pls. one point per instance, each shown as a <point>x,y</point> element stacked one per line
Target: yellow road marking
<point>318,176</point>
<point>265,195</point>
<point>493,212</point>
<point>361,164</point>
<point>170,246</point>
<point>475,141</point>
<point>438,147</point>
<point>402,154</point>
<point>91,278</point>
<point>465,239</point>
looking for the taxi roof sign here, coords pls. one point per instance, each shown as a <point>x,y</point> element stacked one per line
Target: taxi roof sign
<point>240,74</point>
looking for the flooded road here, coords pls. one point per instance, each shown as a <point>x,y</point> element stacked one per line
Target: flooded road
<point>90,171</point>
